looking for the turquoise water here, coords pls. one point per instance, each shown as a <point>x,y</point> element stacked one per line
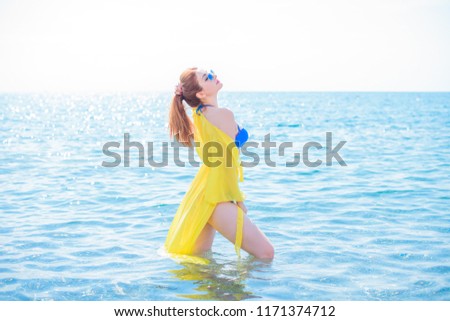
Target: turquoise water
<point>376,229</point>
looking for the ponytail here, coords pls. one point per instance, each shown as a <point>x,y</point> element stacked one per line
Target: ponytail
<point>180,125</point>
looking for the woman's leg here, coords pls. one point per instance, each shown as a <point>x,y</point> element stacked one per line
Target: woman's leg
<point>205,239</point>
<point>254,241</point>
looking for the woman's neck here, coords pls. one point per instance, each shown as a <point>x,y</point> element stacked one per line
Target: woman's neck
<point>211,102</point>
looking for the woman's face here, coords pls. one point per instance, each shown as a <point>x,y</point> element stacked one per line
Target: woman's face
<point>209,82</point>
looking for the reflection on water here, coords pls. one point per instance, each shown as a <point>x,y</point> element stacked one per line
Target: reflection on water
<point>219,281</point>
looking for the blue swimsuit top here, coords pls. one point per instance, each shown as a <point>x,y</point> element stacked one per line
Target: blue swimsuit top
<point>242,135</point>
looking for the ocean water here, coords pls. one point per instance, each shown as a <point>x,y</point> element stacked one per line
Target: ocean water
<point>375,229</point>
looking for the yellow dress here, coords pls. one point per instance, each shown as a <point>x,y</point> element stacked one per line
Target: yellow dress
<point>216,181</point>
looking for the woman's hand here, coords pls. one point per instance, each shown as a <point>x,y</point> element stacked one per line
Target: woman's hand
<point>242,205</point>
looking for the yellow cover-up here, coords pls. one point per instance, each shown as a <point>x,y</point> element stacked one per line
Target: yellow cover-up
<point>215,182</point>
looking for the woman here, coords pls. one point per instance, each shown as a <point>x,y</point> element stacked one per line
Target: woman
<point>214,200</point>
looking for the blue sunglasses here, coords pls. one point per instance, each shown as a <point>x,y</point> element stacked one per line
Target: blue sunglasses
<point>210,75</point>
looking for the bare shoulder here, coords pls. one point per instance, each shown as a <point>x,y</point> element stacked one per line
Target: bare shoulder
<point>226,113</point>
<point>226,110</point>
<point>221,114</point>
<point>222,111</point>
<point>223,118</point>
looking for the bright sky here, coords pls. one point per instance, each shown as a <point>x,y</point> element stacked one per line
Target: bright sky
<point>256,45</point>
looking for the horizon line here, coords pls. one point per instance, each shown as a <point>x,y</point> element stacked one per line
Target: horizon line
<point>97,92</point>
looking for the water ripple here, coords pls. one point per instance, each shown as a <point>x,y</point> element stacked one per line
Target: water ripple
<point>376,229</point>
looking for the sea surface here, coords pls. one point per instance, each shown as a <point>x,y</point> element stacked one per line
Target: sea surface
<point>374,226</point>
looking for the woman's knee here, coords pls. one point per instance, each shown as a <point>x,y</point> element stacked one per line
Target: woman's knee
<point>268,252</point>
<point>263,250</point>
